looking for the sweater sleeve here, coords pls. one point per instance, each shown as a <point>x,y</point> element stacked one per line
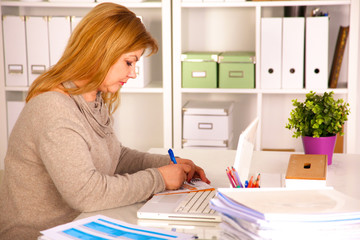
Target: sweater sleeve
<point>67,151</point>
<point>132,161</point>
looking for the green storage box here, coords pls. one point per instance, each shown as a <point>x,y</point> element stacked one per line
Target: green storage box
<point>237,70</point>
<point>199,69</point>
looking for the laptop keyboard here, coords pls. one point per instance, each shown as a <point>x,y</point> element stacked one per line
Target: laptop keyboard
<point>197,202</point>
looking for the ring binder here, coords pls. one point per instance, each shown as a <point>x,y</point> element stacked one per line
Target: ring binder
<point>15,69</point>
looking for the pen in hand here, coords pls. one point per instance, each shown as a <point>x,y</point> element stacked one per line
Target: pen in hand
<point>172,157</point>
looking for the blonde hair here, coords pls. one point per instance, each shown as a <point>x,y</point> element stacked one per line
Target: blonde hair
<point>102,36</point>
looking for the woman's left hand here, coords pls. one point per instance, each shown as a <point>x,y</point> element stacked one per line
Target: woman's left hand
<point>196,171</point>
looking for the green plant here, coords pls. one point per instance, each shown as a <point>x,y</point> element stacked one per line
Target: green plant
<point>318,116</point>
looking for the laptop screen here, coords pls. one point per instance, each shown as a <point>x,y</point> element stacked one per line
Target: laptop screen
<point>245,150</point>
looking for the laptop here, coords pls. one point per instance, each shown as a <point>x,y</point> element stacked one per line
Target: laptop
<point>195,206</point>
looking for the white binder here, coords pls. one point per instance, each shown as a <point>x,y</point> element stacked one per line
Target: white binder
<point>316,53</point>
<point>14,109</point>
<point>293,52</point>
<point>59,33</point>
<point>15,51</point>
<point>37,41</point>
<point>271,45</point>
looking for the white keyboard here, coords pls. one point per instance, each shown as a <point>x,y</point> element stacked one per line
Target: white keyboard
<point>197,202</point>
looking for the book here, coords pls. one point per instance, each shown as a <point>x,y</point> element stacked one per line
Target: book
<point>306,171</point>
<point>338,56</point>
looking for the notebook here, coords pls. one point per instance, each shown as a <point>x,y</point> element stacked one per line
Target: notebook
<point>195,206</point>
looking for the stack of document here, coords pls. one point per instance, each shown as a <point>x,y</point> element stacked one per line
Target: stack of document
<point>287,214</point>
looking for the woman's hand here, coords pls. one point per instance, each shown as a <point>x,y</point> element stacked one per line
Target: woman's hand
<point>174,175</point>
<point>195,172</point>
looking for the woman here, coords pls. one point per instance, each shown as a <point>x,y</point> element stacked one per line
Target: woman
<point>63,157</point>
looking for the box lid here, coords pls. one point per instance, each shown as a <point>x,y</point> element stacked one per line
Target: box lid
<point>240,57</point>
<point>208,108</point>
<point>200,56</point>
<point>307,166</point>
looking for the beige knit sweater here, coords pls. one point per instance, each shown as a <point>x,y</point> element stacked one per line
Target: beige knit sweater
<point>57,166</point>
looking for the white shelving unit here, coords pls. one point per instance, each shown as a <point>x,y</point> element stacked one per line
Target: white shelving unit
<point>152,116</point>
<point>144,118</point>
<point>235,26</point>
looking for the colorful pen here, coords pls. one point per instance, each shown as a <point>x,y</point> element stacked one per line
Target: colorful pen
<point>230,178</point>
<point>257,183</point>
<point>250,185</point>
<point>172,157</point>
<point>237,177</point>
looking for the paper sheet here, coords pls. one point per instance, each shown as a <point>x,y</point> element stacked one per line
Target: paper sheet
<point>195,185</point>
<point>100,227</point>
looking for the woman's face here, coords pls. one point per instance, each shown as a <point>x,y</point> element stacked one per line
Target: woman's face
<point>121,71</point>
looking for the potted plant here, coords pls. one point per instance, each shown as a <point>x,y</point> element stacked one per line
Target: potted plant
<point>317,120</point>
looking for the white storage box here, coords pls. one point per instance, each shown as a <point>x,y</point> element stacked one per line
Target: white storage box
<point>306,171</point>
<point>207,124</point>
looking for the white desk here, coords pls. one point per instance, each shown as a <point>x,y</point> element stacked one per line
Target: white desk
<point>343,175</point>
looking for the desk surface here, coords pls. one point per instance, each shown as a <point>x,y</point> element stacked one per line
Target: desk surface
<point>342,175</point>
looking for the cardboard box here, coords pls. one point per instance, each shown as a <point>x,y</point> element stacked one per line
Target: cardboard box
<point>208,124</point>
<point>237,70</point>
<point>199,69</point>
<point>306,171</point>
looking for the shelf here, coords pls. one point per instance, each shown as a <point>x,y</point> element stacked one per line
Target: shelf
<point>218,90</point>
<point>206,26</point>
<point>264,3</point>
<point>303,91</point>
<point>16,89</point>
<point>263,91</point>
<point>155,87</point>
<point>78,4</point>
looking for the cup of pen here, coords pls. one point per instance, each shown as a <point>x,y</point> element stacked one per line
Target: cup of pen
<point>235,181</point>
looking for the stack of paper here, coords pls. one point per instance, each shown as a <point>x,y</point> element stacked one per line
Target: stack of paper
<point>287,214</point>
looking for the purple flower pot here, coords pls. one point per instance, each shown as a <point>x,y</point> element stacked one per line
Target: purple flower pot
<point>321,145</point>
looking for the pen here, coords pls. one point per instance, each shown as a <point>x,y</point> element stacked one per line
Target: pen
<point>172,157</point>
<point>237,177</point>
<point>230,178</point>
<point>257,183</point>
<point>250,185</point>
<point>233,177</point>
